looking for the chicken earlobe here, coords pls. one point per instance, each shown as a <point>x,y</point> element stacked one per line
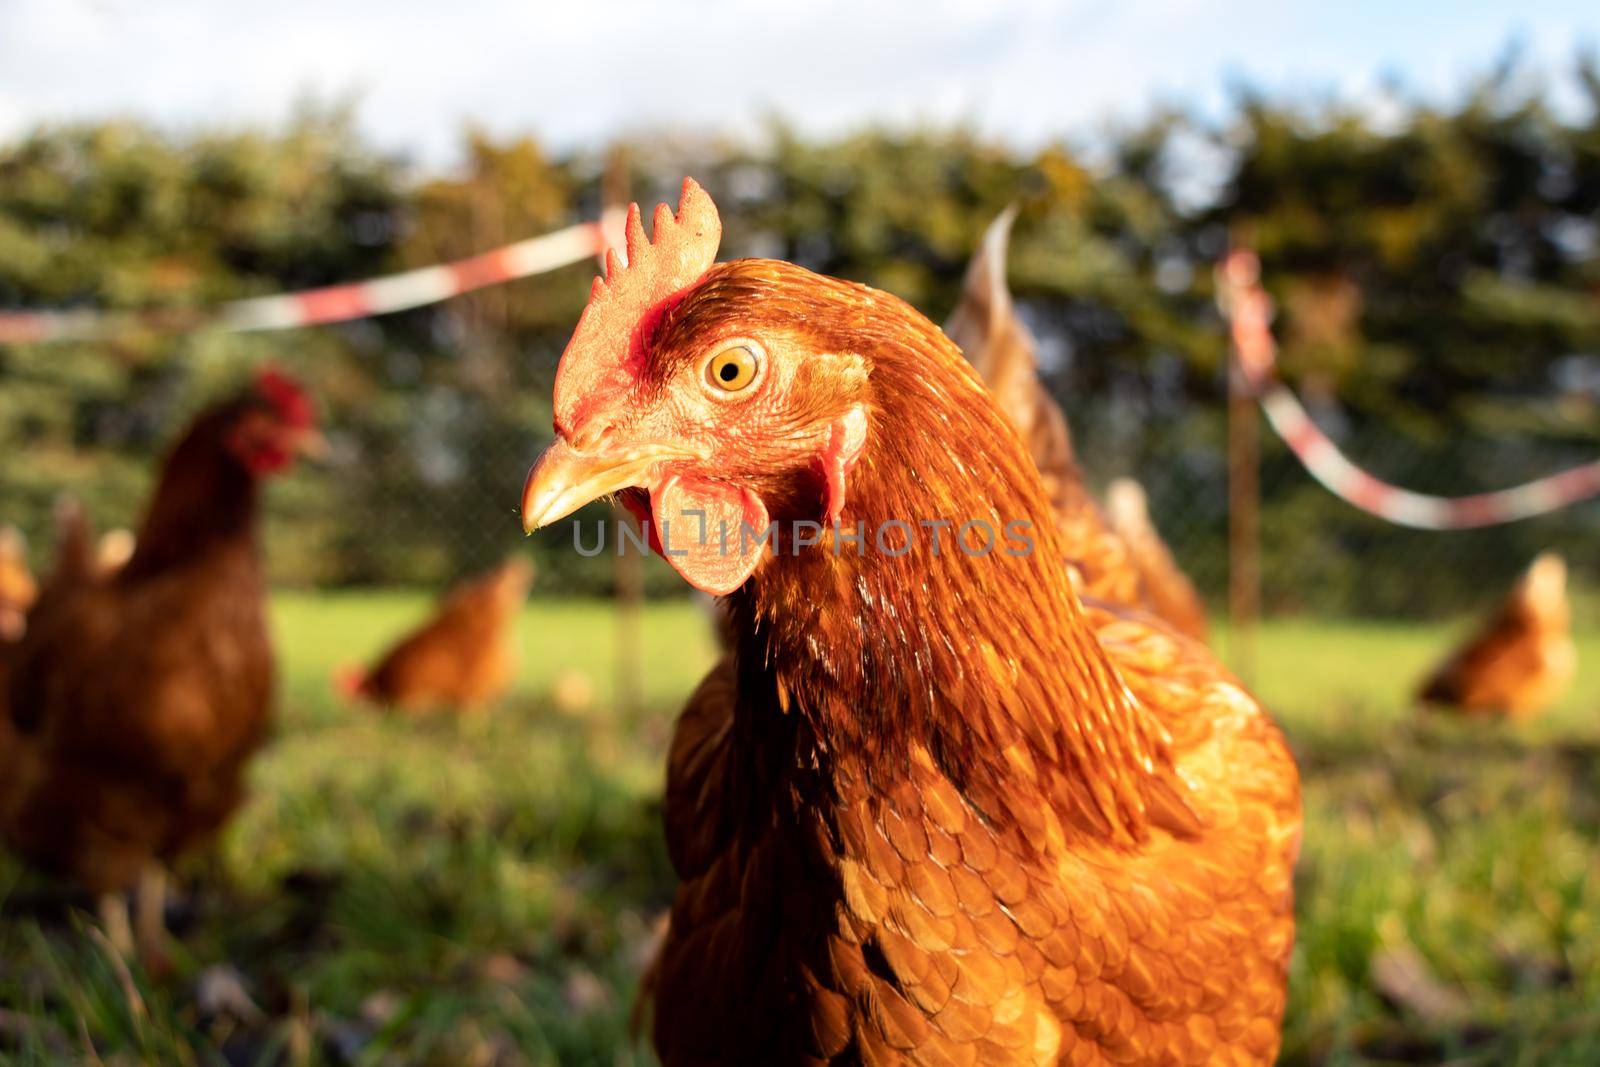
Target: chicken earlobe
<point>845,441</point>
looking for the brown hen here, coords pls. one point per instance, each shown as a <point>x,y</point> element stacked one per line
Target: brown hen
<point>135,699</point>
<point>932,809</point>
<point>113,550</point>
<point>1521,660</point>
<point>463,657</point>
<point>17,586</point>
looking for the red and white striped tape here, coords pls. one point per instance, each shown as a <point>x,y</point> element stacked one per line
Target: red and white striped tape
<point>334,303</point>
<point>1249,311</point>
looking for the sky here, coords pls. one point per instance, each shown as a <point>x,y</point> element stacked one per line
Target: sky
<point>1021,71</point>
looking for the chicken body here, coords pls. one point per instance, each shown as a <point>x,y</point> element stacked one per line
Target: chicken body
<point>932,809</point>
<point>1521,660</point>
<point>135,700</point>
<point>917,821</point>
<point>463,657</point>
<point>136,706</point>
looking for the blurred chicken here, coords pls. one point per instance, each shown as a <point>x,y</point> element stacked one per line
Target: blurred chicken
<point>986,327</point>
<point>113,550</point>
<point>1167,589</point>
<point>17,587</point>
<point>1522,659</point>
<point>572,691</point>
<point>1121,562</point>
<point>931,809</point>
<point>464,657</point>
<point>134,700</point>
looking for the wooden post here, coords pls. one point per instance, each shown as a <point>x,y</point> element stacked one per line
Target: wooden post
<point>1244,520</point>
<point>628,571</point>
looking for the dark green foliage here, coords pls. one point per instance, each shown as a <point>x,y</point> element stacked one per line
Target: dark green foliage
<point>1437,272</point>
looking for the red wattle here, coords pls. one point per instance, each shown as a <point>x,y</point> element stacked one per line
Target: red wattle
<point>712,532</point>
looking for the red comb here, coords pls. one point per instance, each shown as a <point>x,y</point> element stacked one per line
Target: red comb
<point>603,357</point>
<point>286,396</point>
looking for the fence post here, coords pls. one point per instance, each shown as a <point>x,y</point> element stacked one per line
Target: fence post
<point>628,570</point>
<point>1244,520</point>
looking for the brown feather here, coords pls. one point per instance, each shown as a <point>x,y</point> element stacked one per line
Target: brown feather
<point>17,586</point>
<point>1167,590</point>
<point>1117,558</point>
<point>986,327</point>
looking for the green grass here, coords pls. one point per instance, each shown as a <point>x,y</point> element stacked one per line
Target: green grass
<point>481,891</point>
<point>1470,847</point>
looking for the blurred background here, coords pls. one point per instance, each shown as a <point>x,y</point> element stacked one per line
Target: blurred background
<point>1423,188</point>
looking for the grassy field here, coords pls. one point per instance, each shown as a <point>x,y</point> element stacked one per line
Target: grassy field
<point>481,892</point>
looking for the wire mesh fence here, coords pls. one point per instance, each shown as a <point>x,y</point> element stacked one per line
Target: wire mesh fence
<point>423,488</point>
<point>1443,330</point>
<point>1319,554</point>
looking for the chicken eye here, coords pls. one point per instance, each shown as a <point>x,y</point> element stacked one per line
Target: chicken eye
<point>733,369</point>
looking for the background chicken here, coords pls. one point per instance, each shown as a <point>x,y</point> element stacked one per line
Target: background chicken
<point>17,587</point>
<point>1167,590</point>
<point>1126,565</point>
<point>931,809</point>
<point>113,550</point>
<point>986,327</point>
<point>134,700</point>
<point>463,657</point>
<point>1522,659</point>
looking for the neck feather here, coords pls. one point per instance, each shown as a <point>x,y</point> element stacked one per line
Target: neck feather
<point>205,501</point>
<point>858,661</point>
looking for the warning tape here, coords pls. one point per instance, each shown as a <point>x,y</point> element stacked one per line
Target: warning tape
<point>334,303</point>
<point>1249,312</point>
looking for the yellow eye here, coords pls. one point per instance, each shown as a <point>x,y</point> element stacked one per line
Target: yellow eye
<point>732,369</point>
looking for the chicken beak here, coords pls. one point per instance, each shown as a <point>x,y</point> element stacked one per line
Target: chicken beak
<point>565,479</point>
